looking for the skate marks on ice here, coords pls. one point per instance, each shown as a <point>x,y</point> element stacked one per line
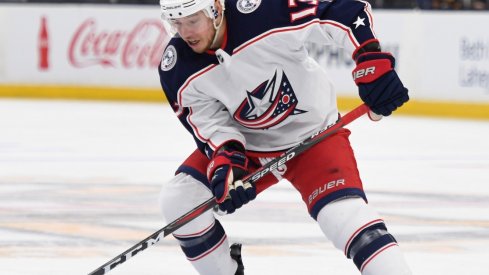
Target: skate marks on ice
<point>79,184</point>
<point>61,218</point>
<point>54,214</point>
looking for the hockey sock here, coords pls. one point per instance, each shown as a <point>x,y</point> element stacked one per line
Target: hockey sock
<point>208,251</point>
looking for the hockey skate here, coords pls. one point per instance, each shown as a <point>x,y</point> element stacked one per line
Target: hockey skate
<point>236,255</point>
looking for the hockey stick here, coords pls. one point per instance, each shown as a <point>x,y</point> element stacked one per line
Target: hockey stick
<point>252,178</point>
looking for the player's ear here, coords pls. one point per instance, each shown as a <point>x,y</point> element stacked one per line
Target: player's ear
<point>219,6</point>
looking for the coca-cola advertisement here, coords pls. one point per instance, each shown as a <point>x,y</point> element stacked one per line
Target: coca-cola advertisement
<point>82,45</point>
<point>43,45</point>
<point>138,47</point>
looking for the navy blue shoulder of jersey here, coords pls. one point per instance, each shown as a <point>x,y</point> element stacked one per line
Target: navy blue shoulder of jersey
<point>351,14</point>
<point>272,15</point>
<point>178,63</point>
<point>186,62</point>
<point>245,25</point>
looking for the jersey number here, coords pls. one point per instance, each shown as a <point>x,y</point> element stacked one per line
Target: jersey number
<point>305,12</point>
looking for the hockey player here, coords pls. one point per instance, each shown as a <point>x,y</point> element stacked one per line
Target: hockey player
<point>241,82</point>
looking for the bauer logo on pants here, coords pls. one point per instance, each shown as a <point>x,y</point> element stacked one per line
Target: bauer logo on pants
<point>325,187</point>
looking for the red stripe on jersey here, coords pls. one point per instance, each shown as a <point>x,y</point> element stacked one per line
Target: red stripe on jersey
<point>190,79</point>
<point>345,29</point>
<point>258,38</point>
<point>194,127</point>
<point>370,17</point>
<point>180,92</point>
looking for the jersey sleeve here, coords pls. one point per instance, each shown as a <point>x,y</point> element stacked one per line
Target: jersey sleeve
<point>209,120</point>
<point>181,112</point>
<point>204,117</point>
<point>347,24</point>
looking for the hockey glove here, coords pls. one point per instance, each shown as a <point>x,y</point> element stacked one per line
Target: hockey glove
<point>379,85</point>
<point>224,172</point>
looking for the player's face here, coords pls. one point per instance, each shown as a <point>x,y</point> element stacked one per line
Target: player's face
<point>196,29</point>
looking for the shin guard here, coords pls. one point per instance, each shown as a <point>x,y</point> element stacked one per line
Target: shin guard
<point>356,229</point>
<point>208,251</point>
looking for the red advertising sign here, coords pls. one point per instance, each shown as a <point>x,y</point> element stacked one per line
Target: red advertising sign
<point>139,47</point>
<point>43,45</point>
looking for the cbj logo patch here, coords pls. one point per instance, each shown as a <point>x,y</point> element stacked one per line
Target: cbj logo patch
<point>169,58</point>
<point>268,104</point>
<point>248,6</point>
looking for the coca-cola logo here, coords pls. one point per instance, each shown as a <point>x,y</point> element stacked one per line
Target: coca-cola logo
<point>140,47</point>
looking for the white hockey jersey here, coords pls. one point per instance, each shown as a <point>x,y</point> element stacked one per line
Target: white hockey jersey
<point>262,88</point>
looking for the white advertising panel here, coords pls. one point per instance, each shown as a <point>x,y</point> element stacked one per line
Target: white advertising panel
<point>441,56</point>
<point>106,45</point>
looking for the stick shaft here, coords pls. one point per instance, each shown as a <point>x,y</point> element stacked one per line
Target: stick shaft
<point>252,178</point>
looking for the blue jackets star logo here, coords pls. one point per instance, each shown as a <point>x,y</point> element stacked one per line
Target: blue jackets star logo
<point>359,22</point>
<point>268,104</point>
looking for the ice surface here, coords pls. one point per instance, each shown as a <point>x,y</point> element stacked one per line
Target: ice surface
<point>79,184</point>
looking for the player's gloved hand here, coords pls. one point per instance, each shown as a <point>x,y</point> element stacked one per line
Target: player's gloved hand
<point>378,83</point>
<point>224,172</point>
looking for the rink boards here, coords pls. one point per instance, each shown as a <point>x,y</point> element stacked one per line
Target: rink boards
<point>111,52</point>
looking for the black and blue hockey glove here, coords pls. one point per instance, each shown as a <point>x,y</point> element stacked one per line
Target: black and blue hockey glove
<point>225,172</point>
<point>379,85</point>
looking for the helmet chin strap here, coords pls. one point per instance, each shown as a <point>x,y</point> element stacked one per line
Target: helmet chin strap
<point>217,27</point>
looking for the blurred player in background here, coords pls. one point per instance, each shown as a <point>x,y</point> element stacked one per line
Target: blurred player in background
<point>241,82</point>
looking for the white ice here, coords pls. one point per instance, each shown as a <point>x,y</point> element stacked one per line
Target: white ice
<point>79,184</point>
